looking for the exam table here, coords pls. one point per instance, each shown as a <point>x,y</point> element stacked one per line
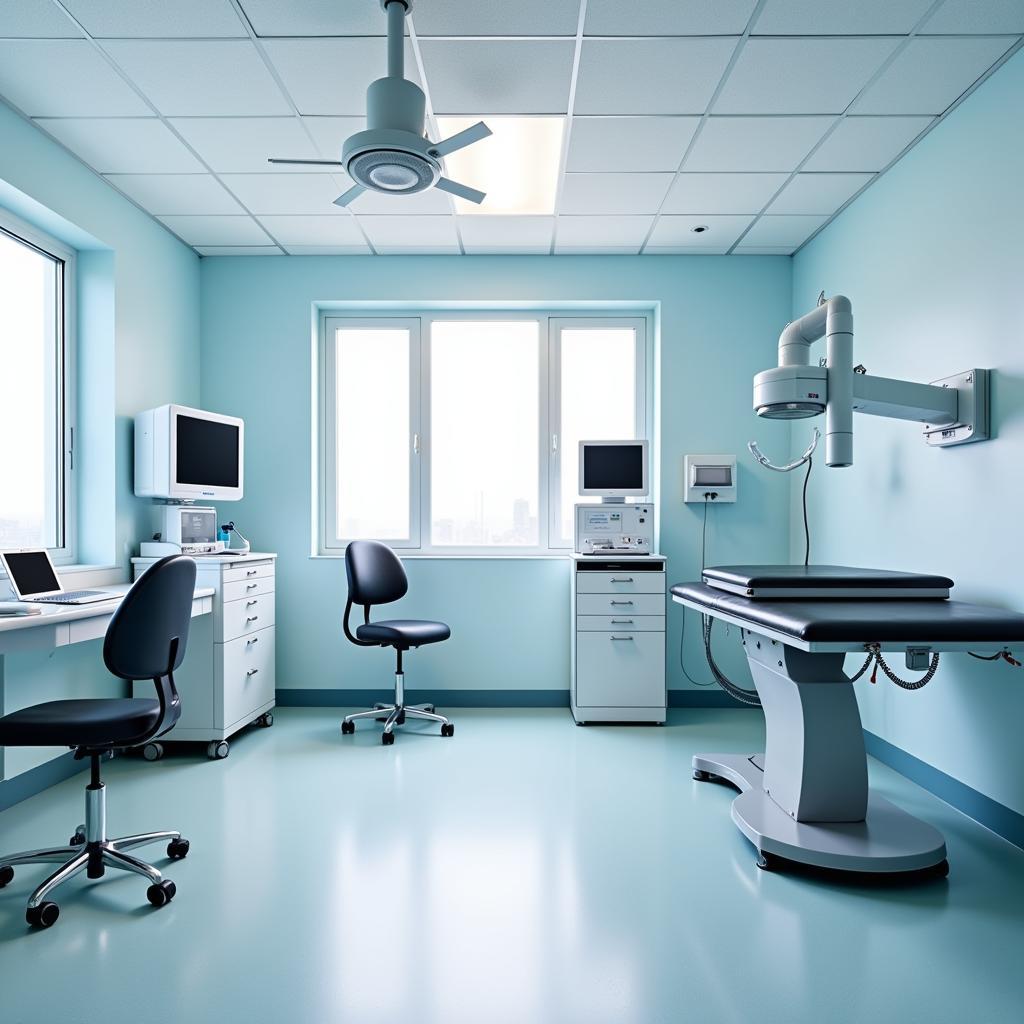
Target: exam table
<point>806,798</point>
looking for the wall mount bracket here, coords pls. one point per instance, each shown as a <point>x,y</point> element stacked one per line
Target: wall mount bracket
<point>972,410</point>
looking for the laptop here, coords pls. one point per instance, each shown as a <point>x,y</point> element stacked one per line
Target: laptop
<point>33,578</point>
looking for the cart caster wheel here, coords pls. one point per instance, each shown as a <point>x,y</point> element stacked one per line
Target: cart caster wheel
<point>701,776</point>
<point>387,738</point>
<point>265,721</point>
<point>43,916</point>
<point>448,730</point>
<point>217,751</point>
<point>153,751</point>
<point>6,875</point>
<point>161,893</point>
<point>177,849</point>
<point>79,837</point>
<point>941,870</point>
<point>766,861</point>
<point>347,728</point>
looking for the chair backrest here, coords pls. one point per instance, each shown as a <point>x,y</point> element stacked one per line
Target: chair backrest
<point>375,575</point>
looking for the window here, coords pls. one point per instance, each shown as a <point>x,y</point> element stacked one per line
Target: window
<point>459,432</point>
<point>35,355</point>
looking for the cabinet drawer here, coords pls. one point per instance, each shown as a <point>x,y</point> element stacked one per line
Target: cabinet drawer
<point>245,671</point>
<point>250,615</point>
<point>624,582</point>
<point>247,588</point>
<point>249,571</point>
<point>620,623</point>
<point>620,605</point>
<point>620,669</point>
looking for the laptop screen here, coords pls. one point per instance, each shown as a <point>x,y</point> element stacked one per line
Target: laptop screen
<point>31,572</point>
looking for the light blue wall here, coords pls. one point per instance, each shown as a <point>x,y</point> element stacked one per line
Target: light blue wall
<point>719,320</point>
<point>933,260</point>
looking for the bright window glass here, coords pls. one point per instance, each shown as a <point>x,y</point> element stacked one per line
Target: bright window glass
<point>485,423</point>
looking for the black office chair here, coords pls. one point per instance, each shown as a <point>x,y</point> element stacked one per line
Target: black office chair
<point>146,639</point>
<point>376,576</point>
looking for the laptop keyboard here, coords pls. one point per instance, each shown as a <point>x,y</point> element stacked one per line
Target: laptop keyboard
<point>69,598</point>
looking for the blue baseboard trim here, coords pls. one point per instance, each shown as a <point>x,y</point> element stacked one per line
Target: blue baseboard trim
<point>35,780</point>
<point>983,809</point>
<point>713,697</point>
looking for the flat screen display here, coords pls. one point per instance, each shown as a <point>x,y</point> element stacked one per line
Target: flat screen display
<point>613,467</point>
<point>31,572</point>
<point>207,453</point>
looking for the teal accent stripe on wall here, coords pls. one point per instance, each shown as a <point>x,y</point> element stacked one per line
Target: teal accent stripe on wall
<point>984,810</point>
<point>335,698</point>
<point>35,780</point>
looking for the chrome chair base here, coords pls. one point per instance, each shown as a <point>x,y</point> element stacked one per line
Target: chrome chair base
<point>393,715</point>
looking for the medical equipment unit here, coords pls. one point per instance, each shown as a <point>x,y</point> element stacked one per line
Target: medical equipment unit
<point>806,797</point>
<point>709,475</point>
<point>614,529</point>
<point>184,454</point>
<point>954,410</point>
<point>614,470</point>
<point>183,529</point>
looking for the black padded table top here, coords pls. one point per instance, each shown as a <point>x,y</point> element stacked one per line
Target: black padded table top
<point>845,580</point>
<point>851,622</point>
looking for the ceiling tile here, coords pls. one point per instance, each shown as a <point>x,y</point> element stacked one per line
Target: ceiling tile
<point>330,76</point>
<point>242,144</point>
<point>314,18</point>
<point>967,16</point>
<point>288,193</point>
<point>602,234</point>
<point>676,234</point>
<point>63,78</point>
<point>333,231</point>
<point>328,250</point>
<point>217,230</point>
<point>127,145</point>
<point>330,133</point>
<point>658,18</point>
<point>224,77</point>
<point>156,19</point>
<point>801,76</point>
<point>522,18</point>
<point>613,193</point>
<point>238,250</point>
<point>818,193</point>
<point>38,19</point>
<point>755,143</point>
<point>629,143</point>
<point>763,250</point>
<point>930,74</point>
<point>790,230</point>
<point>411,234</point>
<point>722,193</point>
<point>474,76</point>
<point>859,18</point>
<point>650,76</point>
<point>483,234</point>
<point>433,201</point>
<point>866,143</point>
<point>176,193</point>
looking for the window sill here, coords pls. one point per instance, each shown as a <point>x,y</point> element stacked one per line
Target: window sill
<point>417,556</point>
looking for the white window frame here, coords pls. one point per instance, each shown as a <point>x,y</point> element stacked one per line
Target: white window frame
<point>420,322</point>
<point>61,471</point>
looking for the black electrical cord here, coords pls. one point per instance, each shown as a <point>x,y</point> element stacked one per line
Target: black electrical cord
<point>807,528</point>
<point>704,535</point>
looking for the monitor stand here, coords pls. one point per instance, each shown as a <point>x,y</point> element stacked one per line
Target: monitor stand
<point>613,501</point>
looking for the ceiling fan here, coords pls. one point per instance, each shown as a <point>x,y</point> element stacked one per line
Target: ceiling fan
<point>393,155</point>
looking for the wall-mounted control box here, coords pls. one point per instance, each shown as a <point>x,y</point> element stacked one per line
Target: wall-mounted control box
<point>703,474</point>
<point>614,529</point>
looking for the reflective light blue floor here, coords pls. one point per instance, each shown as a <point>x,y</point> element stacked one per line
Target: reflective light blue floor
<point>523,871</point>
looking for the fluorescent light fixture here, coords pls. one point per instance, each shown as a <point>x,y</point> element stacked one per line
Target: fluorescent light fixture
<point>517,166</point>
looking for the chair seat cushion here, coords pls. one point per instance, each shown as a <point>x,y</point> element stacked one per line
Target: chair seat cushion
<point>404,632</point>
<point>80,723</point>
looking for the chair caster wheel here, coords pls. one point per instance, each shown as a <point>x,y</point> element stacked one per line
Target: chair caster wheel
<point>79,837</point>
<point>217,751</point>
<point>448,730</point>
<point>43,916</point>
<point>177,849</point>
<point>387,738</point>
<point>430,708</point>
<point>265,721</point>
<point>161,893</point>
<point>701,776</point>
<point>153,751</point>
<point>766,861</point>
<point>6,875</point>
<point>347,728</point>
<point>941,870</point>
<point>401,719</point>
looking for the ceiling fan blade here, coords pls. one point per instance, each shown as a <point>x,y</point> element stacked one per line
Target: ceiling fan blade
<point>279,160</point>
<point>462,191</point>
<point>353,193</point>
<point>461,139</point>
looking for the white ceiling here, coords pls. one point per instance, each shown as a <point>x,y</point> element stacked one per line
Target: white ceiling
<point>757,120</point>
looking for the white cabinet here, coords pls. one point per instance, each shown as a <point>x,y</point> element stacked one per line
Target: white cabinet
<point>618,647</point>
<point>227,679</point>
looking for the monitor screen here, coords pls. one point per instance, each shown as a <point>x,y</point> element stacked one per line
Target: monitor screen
<point>31,573</point>
<point>613,467</point>
<point>207,453</point>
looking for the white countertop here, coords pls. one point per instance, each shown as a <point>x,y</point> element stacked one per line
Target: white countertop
<point>226,558</point>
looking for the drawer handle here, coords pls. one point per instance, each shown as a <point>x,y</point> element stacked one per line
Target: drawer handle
<point>620,602</point>
<point>628,579</point>
<point>251,586</point>
<point>254,640</point>
<point>249,604</point>
<point>252,672</point>
<point>252,618</point>
<point>621,638</point>
<point>622,622</point>
<point>251,572</point>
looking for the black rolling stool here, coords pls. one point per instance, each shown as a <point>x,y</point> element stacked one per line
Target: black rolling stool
<point>376,576</point>
<point>146,639</point>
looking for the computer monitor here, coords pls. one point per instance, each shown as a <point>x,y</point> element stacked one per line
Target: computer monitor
<point>614,470</point>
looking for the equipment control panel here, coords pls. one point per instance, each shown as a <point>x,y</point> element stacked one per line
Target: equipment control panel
<point>614,529</point>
